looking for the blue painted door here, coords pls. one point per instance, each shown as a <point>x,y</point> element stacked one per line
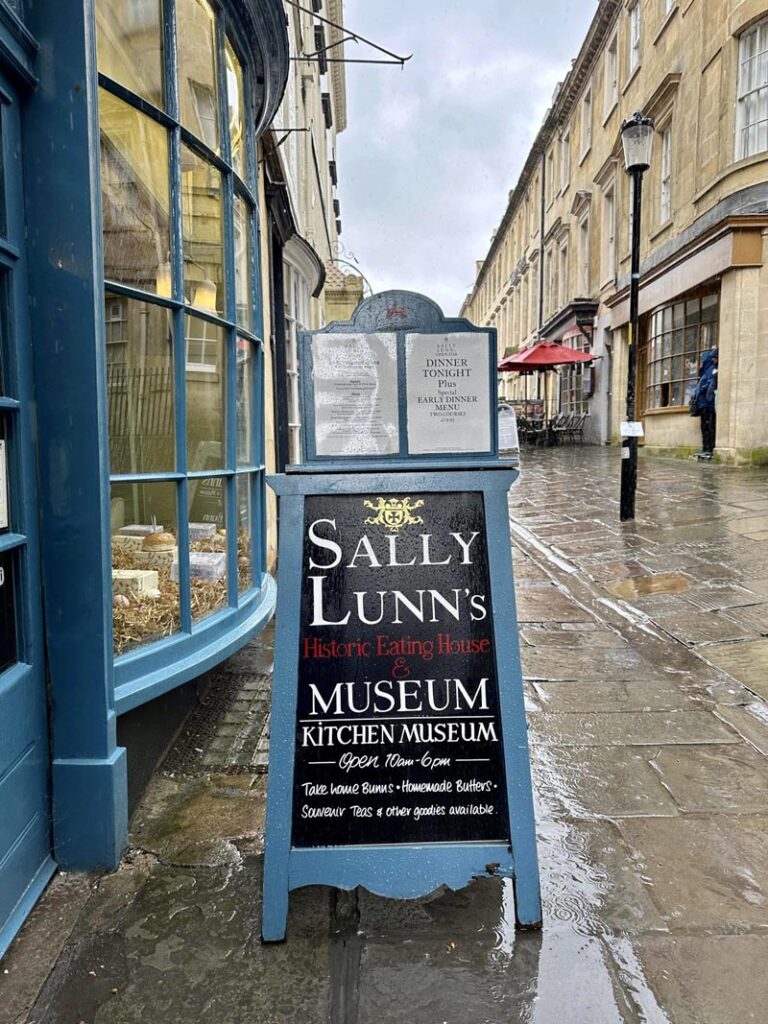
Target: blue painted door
<point>25,832</point>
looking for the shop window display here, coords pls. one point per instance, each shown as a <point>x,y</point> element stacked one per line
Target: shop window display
<point>183,367</point>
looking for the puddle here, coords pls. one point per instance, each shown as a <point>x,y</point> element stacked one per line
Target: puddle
<point>647,586</point>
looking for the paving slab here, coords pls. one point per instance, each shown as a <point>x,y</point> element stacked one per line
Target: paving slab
<point>747,662</point>
<point>186,948</point>
<point>605,782</point>
<point>586,635</point>
<point>588,663</point>
<point>749,720</point>
<point>707,979</point>
<point>731,778</point>
<point>630,728</point>
<point>705,627</point>
<point>707,872</point>
<point>754,616</point>
<point>590,880</point>
<point>614,695</point>
<point>547,604</point>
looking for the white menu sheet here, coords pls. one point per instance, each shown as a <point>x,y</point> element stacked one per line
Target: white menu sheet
<point>448,393</point>
<point>355,386</point>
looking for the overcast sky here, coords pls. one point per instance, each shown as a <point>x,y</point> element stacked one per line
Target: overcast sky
<point>430,152</point>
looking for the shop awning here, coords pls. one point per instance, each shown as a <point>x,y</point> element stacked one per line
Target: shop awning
<point>543,356</point>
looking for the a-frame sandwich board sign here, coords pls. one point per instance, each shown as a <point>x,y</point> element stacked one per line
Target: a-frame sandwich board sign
<point>398,741</point>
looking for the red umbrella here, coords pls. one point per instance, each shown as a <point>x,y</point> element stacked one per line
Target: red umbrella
<point>543,356</point>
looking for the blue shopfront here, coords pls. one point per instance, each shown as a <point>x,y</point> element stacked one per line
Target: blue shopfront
<point>132,503</point>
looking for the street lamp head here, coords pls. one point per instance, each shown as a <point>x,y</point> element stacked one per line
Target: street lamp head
<point>637,138</point>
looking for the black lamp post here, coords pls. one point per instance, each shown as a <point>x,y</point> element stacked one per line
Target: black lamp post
<point>636,138</point>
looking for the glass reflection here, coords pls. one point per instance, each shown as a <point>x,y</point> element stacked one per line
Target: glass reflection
<point>205,373</point>
<point>202,213</point>
<point>236,109</point>
<point>8,620</point>
<point>198,93</point>
<point>145,564</point>
<point>244,313</point>
<point>244,532</point>
<point>134,194</point>
<point>244,402</point>
<point>129,44</point>
<point>3,221</point>
<point>139,357</point>
<point>207,545</point>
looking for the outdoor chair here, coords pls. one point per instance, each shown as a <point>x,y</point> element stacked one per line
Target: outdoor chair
<point>576,427</point>
<point>558,426</point>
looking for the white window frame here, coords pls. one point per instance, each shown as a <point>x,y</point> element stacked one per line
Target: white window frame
<point>608,233</point>
<point>565,159</point>
<point>572,398</point>
<point>752,92</point>
<point>665,175</point>
<point>296,294</point>
<point>633,36</point>
<point>202,363</point>
<point>611,76</point>
<point>563,275</point>
<point>550,177</point>
<point>116,323</point>
<point>584,246</point>
<point>586,121</point>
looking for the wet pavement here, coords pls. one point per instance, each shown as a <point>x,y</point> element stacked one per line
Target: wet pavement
<point>645,655</point>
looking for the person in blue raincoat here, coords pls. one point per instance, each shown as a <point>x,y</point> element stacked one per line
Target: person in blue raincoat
<point>705,400</point>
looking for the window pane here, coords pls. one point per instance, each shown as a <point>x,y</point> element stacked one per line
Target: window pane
<point>198,92</point>
<point>709,307</point>
<point>244,533</point>
<point>243,263</point>
<point>206,373</point>
<point>139,355</point>
<point>129,42</point>
<point>202,215</point>
<point>145,558</point>
<point>236,107</point>
<point>3,221</point>
<point>8,639</point>
<point>134,194</point>
<point>244,402</point>
<point>207,546</point>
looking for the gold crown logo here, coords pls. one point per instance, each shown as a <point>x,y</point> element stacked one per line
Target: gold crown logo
<point>394,513</point>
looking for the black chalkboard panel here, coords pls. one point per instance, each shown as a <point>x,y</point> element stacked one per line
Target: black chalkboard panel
<point>398,737</point>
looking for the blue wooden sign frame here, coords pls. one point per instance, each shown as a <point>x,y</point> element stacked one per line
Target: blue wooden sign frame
<point>399,313</point>
<point>408,869</point>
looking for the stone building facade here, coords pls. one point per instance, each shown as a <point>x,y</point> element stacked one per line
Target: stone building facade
<point>558,264</point>
<point>303,215</point>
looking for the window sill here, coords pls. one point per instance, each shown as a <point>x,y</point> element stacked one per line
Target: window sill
<point>151,671</point>
<point>609,113</point>
<point>663,27</point>
<point>674,410</point>
<point>632,76</point>
<point>585,154</point>
<point>661,230</point>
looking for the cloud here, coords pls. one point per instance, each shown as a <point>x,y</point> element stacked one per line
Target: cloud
<point>431,152</point>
